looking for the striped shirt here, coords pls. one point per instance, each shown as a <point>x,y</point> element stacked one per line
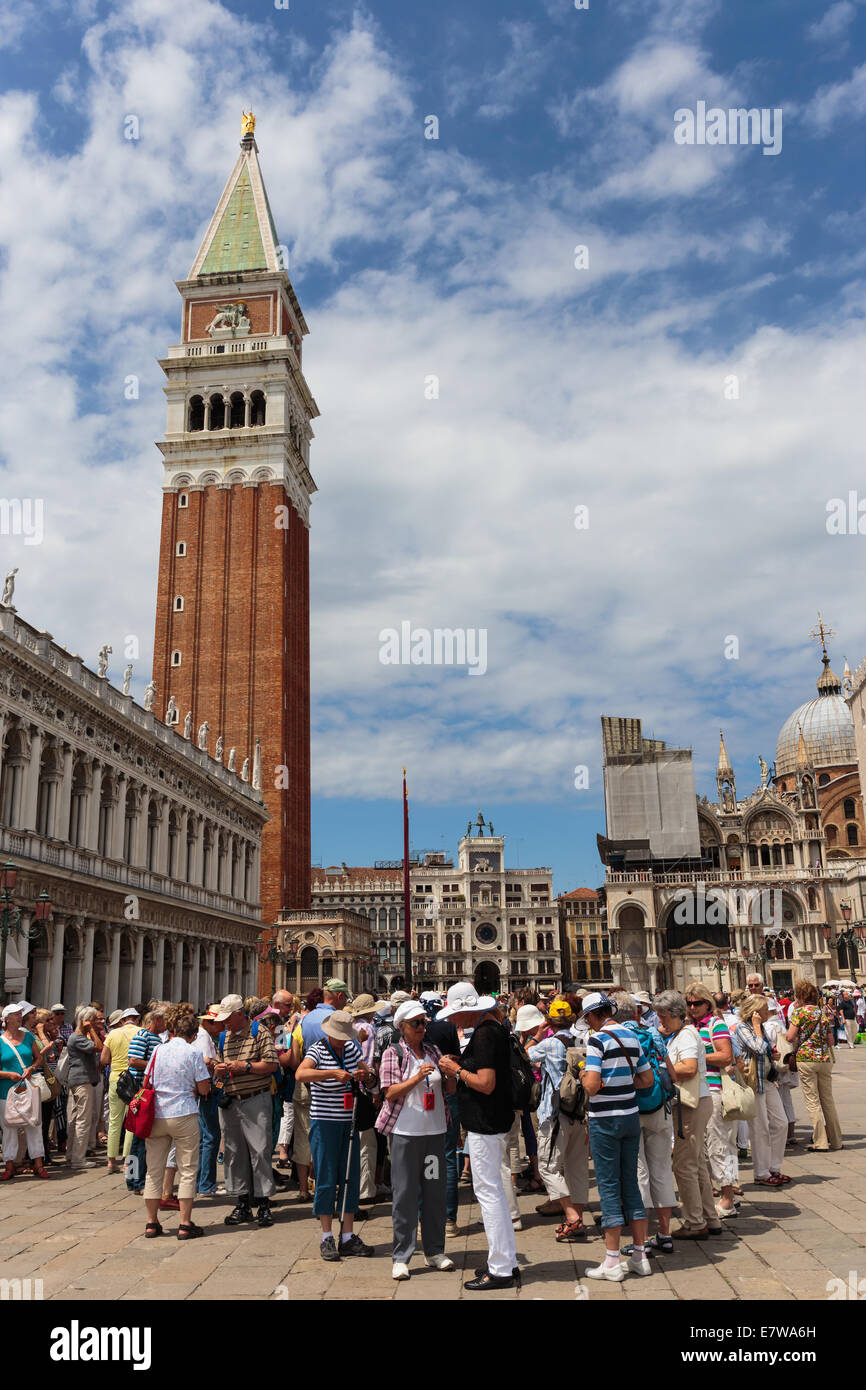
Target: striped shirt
<point>240,1048</point>
<point>604,1054</point>
<point>141,1048</point>
<point>710,1030</point>
<point>327,1096</point>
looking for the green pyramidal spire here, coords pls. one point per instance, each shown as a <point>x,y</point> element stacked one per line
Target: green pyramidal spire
<point>241,235</point>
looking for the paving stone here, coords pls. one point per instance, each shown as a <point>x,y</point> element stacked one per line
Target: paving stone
<point>84,1237</point>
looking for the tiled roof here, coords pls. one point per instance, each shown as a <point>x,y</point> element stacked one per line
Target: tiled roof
<point>581,893</point>
<point>237,242</point>
<point>354,874</point>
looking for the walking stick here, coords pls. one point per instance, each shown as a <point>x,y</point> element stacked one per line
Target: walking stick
<point>353,1130</point>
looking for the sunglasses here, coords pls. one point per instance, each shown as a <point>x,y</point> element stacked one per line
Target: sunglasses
<point>695,1003</point>
<point>417,1022</point>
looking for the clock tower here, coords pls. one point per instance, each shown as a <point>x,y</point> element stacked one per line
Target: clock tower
<point>232,621</point>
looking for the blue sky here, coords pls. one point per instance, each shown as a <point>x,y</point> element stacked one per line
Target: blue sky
<point>606,387</point>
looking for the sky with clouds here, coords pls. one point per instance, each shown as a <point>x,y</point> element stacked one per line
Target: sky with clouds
<point>694,377</point>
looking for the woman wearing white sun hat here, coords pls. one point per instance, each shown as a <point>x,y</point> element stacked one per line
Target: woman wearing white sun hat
<point>487,1114</point>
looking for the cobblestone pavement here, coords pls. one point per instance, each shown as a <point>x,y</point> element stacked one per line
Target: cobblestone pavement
<point>83,1237</point>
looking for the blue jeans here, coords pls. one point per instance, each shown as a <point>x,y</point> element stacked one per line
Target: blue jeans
<point>452,1143</point>
<point>135,1165</point>
<point>530,1138</point>
<point>614,1141</point>
<point>209,1142</point>
<point>329,1145</point>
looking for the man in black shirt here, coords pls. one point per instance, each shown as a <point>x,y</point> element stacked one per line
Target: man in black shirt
<point>484,1099</point>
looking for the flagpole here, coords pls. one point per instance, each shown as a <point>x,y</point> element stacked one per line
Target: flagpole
<point>407,908</point>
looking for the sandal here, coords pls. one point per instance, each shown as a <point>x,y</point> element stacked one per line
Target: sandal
<point>570,1231</point>
<point>40,1173</point>
<point>152,1229</point>
<point>191,1231</point>
<point>659,1242</point>
<point>9,1172</point>
<point>768,1182</point>
<point>781,1177</point>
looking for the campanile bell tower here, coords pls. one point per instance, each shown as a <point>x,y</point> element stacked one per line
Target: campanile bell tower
<point>232,620</point>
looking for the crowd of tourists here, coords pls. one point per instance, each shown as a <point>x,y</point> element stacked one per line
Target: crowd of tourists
<point>355,1101</point>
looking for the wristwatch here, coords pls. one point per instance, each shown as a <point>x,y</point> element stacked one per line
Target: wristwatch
<point>249,1067</point>
<point>458,1074</point>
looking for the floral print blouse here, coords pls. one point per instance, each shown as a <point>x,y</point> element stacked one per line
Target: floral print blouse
<point>815,1032</point>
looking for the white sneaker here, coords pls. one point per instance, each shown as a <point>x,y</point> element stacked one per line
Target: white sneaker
<point>639,1264</point>
<point>517,1223</point>
<point>615,1274</point>
<point>438,1262</point>
<point>400,1272</point>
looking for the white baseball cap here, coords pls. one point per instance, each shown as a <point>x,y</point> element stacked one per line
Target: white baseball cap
<point>411,1009</point>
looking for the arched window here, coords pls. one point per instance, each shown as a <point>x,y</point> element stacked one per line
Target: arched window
<point>107,799</point>
<point>178,603</point>
<point>257,408</point>
<point>238,407</point>
<point>152,834</point>
<point>78,806</point>
<point>513,941</point>
<point>823,779</point>
<point>217,412</point>
<point>129,827</point>
<point>849,810</point>
<point>851,832</point>
<point>207,849</point>
<point>190,848</point>
<point>832,834</point>
<point>173,838</point>
<point>522,939</point>
<point>175,658</point>
<point>812,899</point>
<point>180,549</point>
<point>195,414</point>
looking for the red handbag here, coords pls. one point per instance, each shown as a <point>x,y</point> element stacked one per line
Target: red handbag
<point>140,1112</point>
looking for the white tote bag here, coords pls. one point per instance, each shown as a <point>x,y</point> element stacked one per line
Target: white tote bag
<point>61,1071</point>
<point>23,1102</point>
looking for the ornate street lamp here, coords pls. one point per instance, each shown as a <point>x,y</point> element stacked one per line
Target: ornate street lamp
<point>11,919</point>
<point>272,955</point>
<point>846,944</point>
<point>719,961</point>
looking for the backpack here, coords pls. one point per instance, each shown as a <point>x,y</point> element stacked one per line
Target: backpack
<point>661,1092</point>
<point>525,1090</point>
<point>572,1096</point>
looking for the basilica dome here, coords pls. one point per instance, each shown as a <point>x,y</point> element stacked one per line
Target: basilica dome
<point>827,726</point>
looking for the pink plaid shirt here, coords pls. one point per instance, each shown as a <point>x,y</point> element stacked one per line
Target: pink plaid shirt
<point>391,1072</point>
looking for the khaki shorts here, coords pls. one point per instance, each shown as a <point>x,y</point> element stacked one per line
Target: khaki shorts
<point>301,1137</point>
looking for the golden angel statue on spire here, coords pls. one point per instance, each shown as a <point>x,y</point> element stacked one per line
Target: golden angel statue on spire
<point>248,124</point>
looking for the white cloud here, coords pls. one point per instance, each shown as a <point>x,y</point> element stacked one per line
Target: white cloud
<point>832,25</point>
<point>838,102</point>
<point>456,512</point>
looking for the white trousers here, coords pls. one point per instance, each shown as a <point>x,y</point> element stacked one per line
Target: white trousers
<point>369,1150</point>
<point>509,1169</point>
<point>787,1102</point>
<point>31,1135</point>
<point>287,1124</point>
<point>768,1131</point>
<point>655,1174</point>
<point>563,1165</point>
<point>488,1156</point>
<point>721,1143</point>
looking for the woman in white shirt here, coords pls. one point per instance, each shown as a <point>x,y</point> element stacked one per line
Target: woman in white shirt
<point>413,1116</point>
<point>687,1060</point>
<point>179,1075</point>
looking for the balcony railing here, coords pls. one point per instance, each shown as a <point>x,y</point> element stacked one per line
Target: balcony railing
<point>26,844</point>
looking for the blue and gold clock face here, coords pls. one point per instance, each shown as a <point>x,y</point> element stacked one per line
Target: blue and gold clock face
<point>485,934</point>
